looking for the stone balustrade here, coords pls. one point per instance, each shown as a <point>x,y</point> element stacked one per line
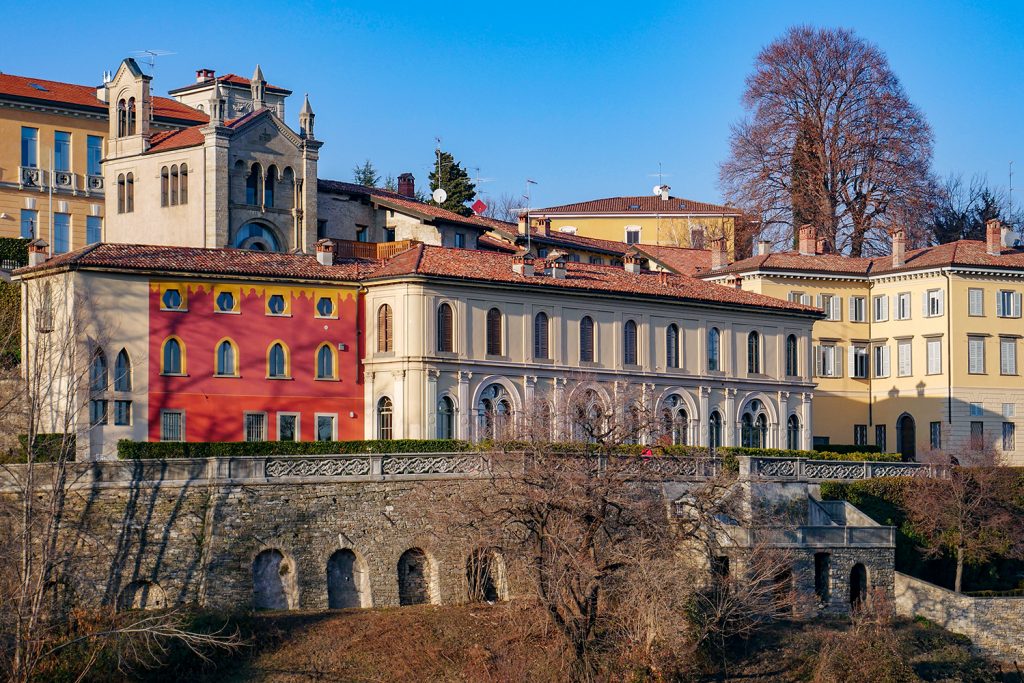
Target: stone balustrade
<point>816,471</point>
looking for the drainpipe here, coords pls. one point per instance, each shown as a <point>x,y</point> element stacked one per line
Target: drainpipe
<point>949,345</point>
<point>870,312</point>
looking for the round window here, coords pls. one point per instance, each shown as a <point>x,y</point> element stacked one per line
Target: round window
<point>172,299</point>
<point>225,301</point>
<point>325,306</point>
<point>276,304</point>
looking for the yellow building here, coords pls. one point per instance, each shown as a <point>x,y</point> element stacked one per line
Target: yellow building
<point>658,219</point>
<point>51,152</point>
<point>918,351</point>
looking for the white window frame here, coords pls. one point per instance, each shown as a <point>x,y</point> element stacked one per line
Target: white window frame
<point>904,358</point>
<point>181,425</point>
<point>1009,433</point>
<point>245,426</point>
<point>298,424</point>
<point>975,302</point>
<point>881,358</point>
<point>1004,297</point>
<point>832,304</point>
<point>1007,361</point>
<point>638,229</point>
<point>934,303</point>
<point>903,306</point>
<point>858,309</point>
<point>828,360</point>
<point>860,351</point>
<point>880,308</point>
<point>1009,410</point>
<point>933,348</point>
<point>316,425</point>
<point>976,409</point>
<point>979,343</point>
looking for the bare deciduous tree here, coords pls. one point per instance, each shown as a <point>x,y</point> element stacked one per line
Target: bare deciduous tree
<point>505,207</point>
<point>832,139</point>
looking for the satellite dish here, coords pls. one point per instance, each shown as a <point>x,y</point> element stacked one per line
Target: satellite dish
<point>657,190</point>
<point>439,196</point>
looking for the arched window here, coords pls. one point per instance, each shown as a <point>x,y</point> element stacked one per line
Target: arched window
<point>268,187</point>
<point>131,116</point>
<point>120,192</point>
<point>494,332</point>
<point>629,343</point>
<point>385,415</point>
<point>714,349</point>
<point>672,346</point>
<point>165,179</point>
<point>676,419</point>
<point>253,185</point>
<point>325,362</point>
<point>715,429</point>
<point>122,118</point>
<point>754,426</point>
<point>445,329</point>
<point>174,185</point>
<point>129,193</point>
<point>792,357</point>
<point>123,372</point>
<point>495,410</point>
<point>227,359</point>
<point>753,353</point>
<point>587,340</point>
<point>173,357</point>
<point>540,336</point>
<point>183,184</point>
<point>256,237</point>
<point>98,371</point>
<point>589,423</point>
<point>793,433</point>
<point>446,418</point>
<point>277,361</point>
<point>385,340</point>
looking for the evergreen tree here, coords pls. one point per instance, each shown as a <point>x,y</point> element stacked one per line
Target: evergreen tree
<point>366,174</point>
<point>390,184</point>
<point>454,180</point>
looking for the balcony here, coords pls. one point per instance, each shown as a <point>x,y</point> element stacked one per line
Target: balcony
<point>66,182</point>
<point>377,251</point>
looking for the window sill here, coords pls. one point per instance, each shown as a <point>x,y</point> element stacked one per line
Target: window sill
<point>496,357</point>
<point>236,376</point>
<point>282,377</point>
<point>227,312</point>
<point>325,317</point>
<point>278,315</point>
<point>589,364</point>
<point>173,310</point>
<point>174,374</point>
<point>632,366</point>
<point>326,379</point>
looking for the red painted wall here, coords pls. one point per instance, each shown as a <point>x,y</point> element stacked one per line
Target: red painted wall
<point>215,406</point>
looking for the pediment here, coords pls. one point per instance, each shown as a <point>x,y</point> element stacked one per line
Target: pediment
<point>250,123</point>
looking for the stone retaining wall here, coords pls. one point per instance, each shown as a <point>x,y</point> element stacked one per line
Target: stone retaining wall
<point>994,625</point>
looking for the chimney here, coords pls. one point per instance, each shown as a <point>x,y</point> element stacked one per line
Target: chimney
<point>38,252</point>
<point>325,252</point>
<point>407,185</point>
<point>664,192</point>
<point>522,264</point>
<point>808,240</point>
<point>521,221</point>
<point>994,236</point>
<point>719,255</point>
<point>696,238</point>
<point>762,247</point>
<point>546,227</point>
<point>203,75</point>
<point>662,278</point>
<point>899,248</point>
<point>555,265</point>
<point>632,263</point>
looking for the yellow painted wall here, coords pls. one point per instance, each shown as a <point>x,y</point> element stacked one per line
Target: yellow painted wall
<point>12,199</point>
<point>663,230</point>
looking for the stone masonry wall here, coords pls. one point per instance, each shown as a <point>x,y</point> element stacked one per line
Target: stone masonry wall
<point>994,625</point>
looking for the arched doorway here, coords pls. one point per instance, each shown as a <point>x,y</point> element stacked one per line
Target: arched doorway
<point>273,581</point>
<point>346,580</point>
<point>485,573</point>
<point>256,237</point>
<point>906,436</point>
<point>495,414</point>
<point>414,578</point>
<point>858,586</point>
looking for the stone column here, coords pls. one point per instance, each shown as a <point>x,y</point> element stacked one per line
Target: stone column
<point>805,420</point>
<point>782,427</point>
<point>465,411</point>
<point>399,419</point>
<point>430,404</point>
<point>704,418</point>
<point>654,425</point>
<point>369,407</point>
<point>730,421</point>
<point>559,409</point>
<point>528,414</point>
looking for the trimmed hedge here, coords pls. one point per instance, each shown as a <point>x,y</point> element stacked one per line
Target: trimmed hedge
<point>48,448</point>
<point>814,455</point>
<point>847,448</point>
<point>145,450</point>
<point>14,249</point>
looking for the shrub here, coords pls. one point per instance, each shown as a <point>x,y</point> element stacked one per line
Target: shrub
<point>813,455</point>
<point>847,448</point>
<point>46,448</point>
<point>13,251</point>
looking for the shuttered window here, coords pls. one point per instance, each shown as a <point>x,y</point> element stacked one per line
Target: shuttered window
<point>904,360</point>
<point>832,305</point>
<point>934,303</point>
<point>587,340</point>
<point>1008,304</point>
<point>934,356</point>
<point>858,309</point>
<point>975,302</point>
<point>494,332</point>
<point>385,334</point>
<point>672,346</point>
<point>445,331</point>
<point>859,361</point>
<point>540,336</point>
<point>881,361</point>
<point>629,343</point>
<point>1008,356</point>
<point>903,306</point>
<point>828,360</point>
<point>881,304</point>
<point>976,355</point>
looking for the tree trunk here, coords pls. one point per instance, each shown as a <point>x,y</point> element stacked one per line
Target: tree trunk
<point>958,584</point>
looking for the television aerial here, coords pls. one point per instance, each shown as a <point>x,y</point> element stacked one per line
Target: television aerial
<point>439,196</point>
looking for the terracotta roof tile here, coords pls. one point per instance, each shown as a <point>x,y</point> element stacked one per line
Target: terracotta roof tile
<point>401,202</point>
<point>645,204</point>
<point>176,139</point>
<point>194,260</point>
<point>486,266</point>
<point>232,79</point>
<point>681,260</point>
<point>84,97</point>
<point>962,253</point>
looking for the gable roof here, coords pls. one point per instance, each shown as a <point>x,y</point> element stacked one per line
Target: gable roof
<point>401,203</point>
<point>640,205</point>
<point>494,267</point>
<point>201,261</point>
<point>229,80</point>
<point>83,98</point>
<point>192,137</point>
<point>964,253</point>
<point>682,260</point>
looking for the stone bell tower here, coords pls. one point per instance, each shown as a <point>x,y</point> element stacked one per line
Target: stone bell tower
<point>131,110</point>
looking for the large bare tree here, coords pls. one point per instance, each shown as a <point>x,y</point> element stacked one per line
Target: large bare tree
<point>830,138</point>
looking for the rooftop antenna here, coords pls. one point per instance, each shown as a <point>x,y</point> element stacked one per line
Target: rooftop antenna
<point>661,175</point>
<point>148,57</point>
<point>527,196</point>
<point>439,195</point>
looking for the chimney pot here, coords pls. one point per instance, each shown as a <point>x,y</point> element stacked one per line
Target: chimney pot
<point>521,223</point>
<point>994,236</point>
<point>808,240</point>
<point>547,227</point>
<point>899,248</point>
<point>38,252</point>
<point>407,185</point>
<point>762,247</point>
<point>632,263</point>
<point>325,252</point>
<point>719,255</point>
<point>555,265</point>
<point>522,264</point>
<point>664,192</point>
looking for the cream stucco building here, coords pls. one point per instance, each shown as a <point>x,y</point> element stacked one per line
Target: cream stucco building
<point>918,350</point>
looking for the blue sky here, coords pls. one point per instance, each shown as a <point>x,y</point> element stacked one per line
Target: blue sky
<point>585,98</point>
